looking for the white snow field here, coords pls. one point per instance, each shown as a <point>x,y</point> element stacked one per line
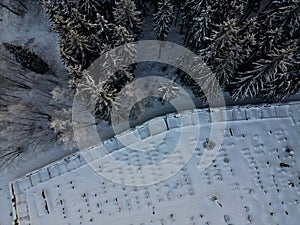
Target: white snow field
<point>255,178</point>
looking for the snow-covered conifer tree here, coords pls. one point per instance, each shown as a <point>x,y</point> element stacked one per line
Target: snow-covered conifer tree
<point>201,28</point>
<point>90,8</point>
<point>121,37</point>
<point>168,91</point>
<point>271,69</point>
<point>266,76</point>
<point>141,6</point>
<point>163,19</point>
<point>81,35</point>
<point>225,52</point>
<point>197,14</point>
<point>192,9</point>
<point>245,50</point>
<point>127,15</point>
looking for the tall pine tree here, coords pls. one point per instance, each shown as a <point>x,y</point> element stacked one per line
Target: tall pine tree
<point>127,15</point>
<point>163,19</point>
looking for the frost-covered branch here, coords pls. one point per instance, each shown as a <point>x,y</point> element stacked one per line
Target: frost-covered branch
<point>168,91</point>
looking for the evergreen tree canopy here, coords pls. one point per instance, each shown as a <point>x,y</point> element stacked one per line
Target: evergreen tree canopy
<point>127,15</point>
<point>252,53</point>
<point>163,19</point>
<point>251,46</point>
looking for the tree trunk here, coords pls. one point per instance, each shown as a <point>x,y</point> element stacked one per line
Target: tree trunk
<point>178,13</point>
<point>187,34</point>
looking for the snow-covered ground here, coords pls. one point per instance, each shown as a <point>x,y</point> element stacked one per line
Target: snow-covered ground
<point>253,180</point>
<point>238,195</point>
<point>31,30</point>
